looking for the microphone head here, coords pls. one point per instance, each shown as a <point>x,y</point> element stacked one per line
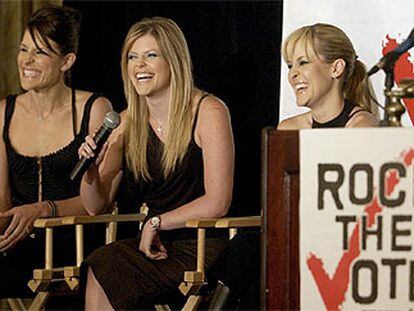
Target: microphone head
<point>112,120</point>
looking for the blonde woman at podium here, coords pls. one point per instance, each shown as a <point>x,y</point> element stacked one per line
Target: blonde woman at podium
<point>326,77</point>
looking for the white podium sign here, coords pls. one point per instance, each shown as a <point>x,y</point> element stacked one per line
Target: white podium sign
<point>374,27</point>
<point>356,219</point>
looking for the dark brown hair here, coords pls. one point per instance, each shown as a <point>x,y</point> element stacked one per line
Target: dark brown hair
<point>61,24</point>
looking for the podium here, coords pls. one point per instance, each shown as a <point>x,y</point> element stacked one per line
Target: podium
<point>337,245</point>
<point>280,280</point>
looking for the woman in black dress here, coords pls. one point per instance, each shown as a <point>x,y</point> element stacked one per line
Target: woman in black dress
<point>174,152</point>
<point>42,130</point>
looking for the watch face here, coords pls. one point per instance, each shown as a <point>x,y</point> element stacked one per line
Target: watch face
<point>155,222</point>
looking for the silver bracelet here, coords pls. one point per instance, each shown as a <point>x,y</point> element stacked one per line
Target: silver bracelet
<point>53,208</point>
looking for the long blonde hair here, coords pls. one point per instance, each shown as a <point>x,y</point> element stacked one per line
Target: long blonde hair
<point>329,43</point>
<point>174,49</point>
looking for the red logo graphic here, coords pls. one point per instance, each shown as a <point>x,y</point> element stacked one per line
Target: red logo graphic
<point>404,69</point>
<point>333,289</point>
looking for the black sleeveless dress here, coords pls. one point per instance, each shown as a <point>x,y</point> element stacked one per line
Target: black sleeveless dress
<point>340,120</point>
<point>131,280</point>
<point>17,264</point>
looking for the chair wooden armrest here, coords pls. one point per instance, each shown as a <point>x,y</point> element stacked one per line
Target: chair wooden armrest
<point>239,222</point>
<point>81,220</point>
<point>202,223</point>
<point>225,222</point>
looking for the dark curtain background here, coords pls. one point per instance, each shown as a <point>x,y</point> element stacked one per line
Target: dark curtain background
<point>235,48</point>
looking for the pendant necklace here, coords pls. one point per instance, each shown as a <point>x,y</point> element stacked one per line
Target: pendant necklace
<point>159,126</point>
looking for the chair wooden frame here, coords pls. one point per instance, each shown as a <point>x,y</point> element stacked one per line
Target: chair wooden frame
<point>45,279</point>
<point>194,280</point>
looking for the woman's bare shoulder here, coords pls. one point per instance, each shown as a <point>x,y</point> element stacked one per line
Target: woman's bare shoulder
<point>296,122</point>
<point>362,119</point>
<point>210,102</point>
<point>213,110</point>
<point>100,103</point>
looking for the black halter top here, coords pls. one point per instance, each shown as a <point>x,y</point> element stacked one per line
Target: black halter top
<point>342,119</point>
<point>55,167</point>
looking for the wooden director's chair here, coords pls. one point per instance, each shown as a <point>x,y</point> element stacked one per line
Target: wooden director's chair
<point>47,280</point>
<point>52,279</point>
<point>195,280</point>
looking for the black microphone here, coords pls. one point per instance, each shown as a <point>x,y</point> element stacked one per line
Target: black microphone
<point>110,122</point>
<point>390,58</point>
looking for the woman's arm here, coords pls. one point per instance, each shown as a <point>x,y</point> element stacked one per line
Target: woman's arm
<point>5,198</point>
<point>101,180</point>
<point>214,135</point>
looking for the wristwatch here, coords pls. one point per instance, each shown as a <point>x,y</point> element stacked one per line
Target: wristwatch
<point>155,222</point>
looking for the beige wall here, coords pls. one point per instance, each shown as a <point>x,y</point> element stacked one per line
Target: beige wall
<point>14,15</point>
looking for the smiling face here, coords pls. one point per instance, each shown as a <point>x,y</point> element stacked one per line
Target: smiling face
<point>311,78</point>
<point>39,68</point>
<point>147,68</point>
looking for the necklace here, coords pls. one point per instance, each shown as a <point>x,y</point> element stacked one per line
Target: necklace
<point>159,127</point>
